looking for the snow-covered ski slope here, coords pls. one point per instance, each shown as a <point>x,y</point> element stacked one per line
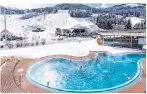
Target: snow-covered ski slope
<point>47,22</point>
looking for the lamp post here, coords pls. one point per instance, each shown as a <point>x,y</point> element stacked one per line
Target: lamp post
<point>5,18</point>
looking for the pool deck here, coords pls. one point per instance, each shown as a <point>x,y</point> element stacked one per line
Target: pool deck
<point>13,75</point>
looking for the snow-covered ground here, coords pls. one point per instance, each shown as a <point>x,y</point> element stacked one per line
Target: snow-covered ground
<point>68,48</point>
<point>47,22</point>
<point>135,20</point>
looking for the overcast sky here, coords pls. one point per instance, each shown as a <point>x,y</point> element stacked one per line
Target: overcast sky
<point>31,6</point>
<point>28,6</point>
<point>25,4</point>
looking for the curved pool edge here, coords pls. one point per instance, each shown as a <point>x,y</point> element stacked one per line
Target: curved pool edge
<point>91,54</point>
<point>113,89</point>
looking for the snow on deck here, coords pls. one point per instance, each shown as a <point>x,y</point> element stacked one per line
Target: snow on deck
<point>69,48</point>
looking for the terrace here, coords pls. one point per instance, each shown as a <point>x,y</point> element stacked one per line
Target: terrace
<point>14,80</point>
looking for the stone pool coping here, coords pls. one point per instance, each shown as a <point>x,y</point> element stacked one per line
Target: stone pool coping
<point>26,86</point>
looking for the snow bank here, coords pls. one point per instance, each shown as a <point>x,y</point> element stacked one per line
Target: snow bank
<point>69,48</point>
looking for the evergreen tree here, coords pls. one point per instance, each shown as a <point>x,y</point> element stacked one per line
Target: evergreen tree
<point>128,25</point>
<point>137,14</point>
<point>142,25</point>
<point>109,25</point>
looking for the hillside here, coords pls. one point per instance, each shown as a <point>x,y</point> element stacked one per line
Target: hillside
<point>120,9</point>
<point>11,10</point>
<point>68,15</point>
<point>68,6</point>
<point>127,9</point>
<point>48,22</point>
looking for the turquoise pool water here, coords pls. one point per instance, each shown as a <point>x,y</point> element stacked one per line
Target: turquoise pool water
<point>102,73</point>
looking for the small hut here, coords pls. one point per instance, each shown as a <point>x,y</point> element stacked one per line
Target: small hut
<point>58,31</point>
<point>5,34</point>
<point>74,30</point>
<point>63,31</point>
<point>38,30</point>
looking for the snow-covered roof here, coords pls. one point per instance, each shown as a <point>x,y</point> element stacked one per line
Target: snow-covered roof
<point>78,26</point>
<point>38,30</point>
<point>5,32</point>
<point>65,27</point>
